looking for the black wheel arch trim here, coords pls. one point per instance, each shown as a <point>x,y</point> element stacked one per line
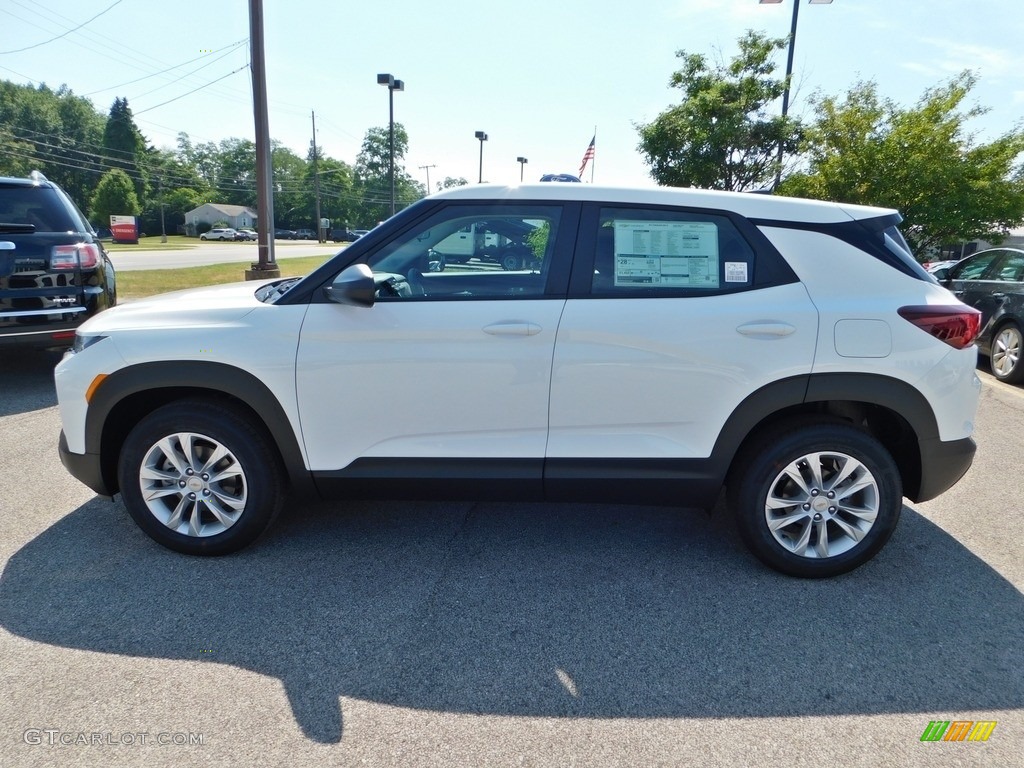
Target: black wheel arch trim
<point>194,376</point>
<point>800,391</point>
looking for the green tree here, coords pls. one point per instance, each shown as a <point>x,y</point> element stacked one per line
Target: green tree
<point>115,195</point>
<point>125,148</point>
<point>922,161</point>
<point>450,182</point>
<point>372,182</point>
<point>337,197</point>
<point>723,134</point>
<point>55,132</point>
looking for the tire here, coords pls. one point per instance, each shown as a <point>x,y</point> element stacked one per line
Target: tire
<point>164,457</point>
<point>856,522</point>
<point>1005,359</point>
<point>511,262</point>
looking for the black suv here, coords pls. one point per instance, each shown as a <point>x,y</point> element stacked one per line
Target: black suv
<point>54,272</point>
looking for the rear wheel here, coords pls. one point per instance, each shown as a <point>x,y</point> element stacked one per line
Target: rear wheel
<point>1005,358</point>
<point>815,499</point>
<point>200,478</point>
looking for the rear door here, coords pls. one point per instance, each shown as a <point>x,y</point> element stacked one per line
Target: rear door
<point>674,319</point>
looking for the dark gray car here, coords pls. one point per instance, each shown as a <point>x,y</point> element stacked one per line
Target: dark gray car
<point>992,282</point>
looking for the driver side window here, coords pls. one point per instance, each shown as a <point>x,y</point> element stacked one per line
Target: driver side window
<point>479,251</point>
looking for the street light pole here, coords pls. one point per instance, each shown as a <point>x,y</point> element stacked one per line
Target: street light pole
<point>393,85</point>
<point>522,161</point>
<point>483,137</point>
<point>789,69</point>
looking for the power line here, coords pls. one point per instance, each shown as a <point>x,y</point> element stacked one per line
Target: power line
<point>170,69</point>
<point>188,93</point>
<point>65,34</point>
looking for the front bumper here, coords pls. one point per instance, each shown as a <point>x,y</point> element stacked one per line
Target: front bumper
<point>943,463</point>
<point>84,467</point>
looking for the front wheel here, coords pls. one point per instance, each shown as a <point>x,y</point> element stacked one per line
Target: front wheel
<point>816,499</point>
<point>1005,358</point>
<point>199,478</point>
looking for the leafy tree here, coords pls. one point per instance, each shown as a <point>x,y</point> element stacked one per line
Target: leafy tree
<point>125,147</point>
<point>337,196</point>
<point>372,182</point>
<point>921,161</point>
<point>54,132</point>
<point>450,182</point>
<point>115,195</point>
<point>722,135</point>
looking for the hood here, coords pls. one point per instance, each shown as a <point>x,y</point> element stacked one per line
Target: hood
<point>213,305</point>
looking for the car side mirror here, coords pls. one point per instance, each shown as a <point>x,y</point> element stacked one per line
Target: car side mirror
<point>354,286</point>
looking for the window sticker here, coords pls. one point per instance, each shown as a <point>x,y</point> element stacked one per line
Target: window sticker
<point>735,271</point>
<point>666,254</point>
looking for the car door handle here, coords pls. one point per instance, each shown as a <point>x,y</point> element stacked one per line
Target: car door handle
<point>512,329</point>
<point>766,330</point>
<point>999,296</point>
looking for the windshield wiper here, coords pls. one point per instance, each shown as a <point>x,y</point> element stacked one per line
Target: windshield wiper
<point>22,229</point>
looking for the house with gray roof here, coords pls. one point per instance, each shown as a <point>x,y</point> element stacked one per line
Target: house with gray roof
<point>236,216</point>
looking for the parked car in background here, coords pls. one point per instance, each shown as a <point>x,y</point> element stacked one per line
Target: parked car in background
<point>284,234</point>
<point>660,344</point>
<point>219,233</point>
<point>246,234</point>
<point>360,232</point>
<point>54,271</point>
<point>343,236</point>
<point>305,234</point>
<point>939,268</point>
<point>992,281</point>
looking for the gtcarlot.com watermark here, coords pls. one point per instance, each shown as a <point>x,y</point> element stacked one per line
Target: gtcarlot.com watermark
<point>55,737</point>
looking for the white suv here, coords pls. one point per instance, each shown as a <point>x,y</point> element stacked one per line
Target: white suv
<point>219,233</point>
<point>656,346</point>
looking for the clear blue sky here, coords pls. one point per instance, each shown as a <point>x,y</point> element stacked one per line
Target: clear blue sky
<point>536,75</point>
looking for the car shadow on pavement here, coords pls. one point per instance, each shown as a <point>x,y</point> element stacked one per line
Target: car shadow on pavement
<point>26,381</point>
<point>536,610</point>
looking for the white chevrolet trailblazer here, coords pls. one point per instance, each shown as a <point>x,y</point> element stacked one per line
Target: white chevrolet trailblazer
<point>646,346</point>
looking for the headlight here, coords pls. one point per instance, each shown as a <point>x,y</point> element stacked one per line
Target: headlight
<point>82,341</point>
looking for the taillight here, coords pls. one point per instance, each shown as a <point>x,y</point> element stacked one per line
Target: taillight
<point>84,255</point>
<point>957,325</point>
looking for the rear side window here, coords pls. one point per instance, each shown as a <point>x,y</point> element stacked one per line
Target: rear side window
<point>1012,267</point>
<point>662,251</point>
<point>975,267</point>
<point>39,206</point>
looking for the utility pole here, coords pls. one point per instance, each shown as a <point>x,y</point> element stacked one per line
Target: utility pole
<point>316,184</point>
<point>266,266</point>
<point>428,167</point>
<point>163,228</point>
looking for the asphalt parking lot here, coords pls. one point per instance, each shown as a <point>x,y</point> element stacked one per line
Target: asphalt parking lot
<point>413,634</point>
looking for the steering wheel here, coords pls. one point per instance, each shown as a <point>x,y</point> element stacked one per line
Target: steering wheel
<point>415,281</point>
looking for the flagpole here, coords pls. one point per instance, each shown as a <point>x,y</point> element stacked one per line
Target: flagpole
<point>593,160</point>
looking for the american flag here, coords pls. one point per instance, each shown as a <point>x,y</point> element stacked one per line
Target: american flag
<point>588,155</point>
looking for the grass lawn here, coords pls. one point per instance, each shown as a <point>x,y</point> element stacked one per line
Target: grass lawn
<point>149,282</point>
<point>152,243</point>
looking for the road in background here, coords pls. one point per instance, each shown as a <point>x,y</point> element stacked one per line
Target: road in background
<point>216,253</point>
<point>440,634</point>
